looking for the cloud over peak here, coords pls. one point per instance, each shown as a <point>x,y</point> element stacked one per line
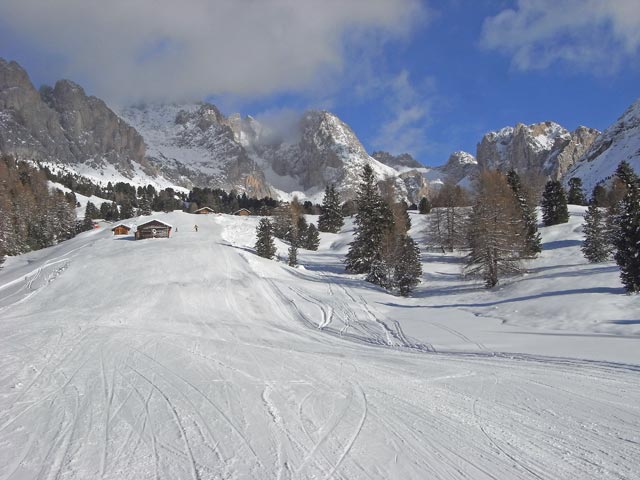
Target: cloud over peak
<point>163,49</point>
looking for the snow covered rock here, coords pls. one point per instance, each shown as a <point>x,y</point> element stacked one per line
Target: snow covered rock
<point>459,166</point>
<point>621,141</point>
<point>546,148</point>
<point>399,162</point>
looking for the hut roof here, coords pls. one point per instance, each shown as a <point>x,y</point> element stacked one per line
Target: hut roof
<point>154,221</point>
<point>242,210</point>
<point>125,225</point>
<point>204,208</point>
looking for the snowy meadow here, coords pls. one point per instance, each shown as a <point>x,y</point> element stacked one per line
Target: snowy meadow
<point>191,357</point>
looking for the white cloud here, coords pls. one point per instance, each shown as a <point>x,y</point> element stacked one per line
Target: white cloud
<point>597,35</point>
<point>405,131</point>
<point>160,49</point>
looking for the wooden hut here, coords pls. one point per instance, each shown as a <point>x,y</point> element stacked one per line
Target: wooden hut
<point>121,229</point>
<point>243,212</point>
<point>153,229</point>
<point>204,211</point>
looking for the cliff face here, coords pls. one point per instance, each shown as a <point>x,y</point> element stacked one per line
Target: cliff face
<point>545,148</point>
<point>64,125</point>
<point>28,127</point>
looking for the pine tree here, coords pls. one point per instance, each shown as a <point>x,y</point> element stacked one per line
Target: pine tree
<point>596,247</point>
<point>126,210</point>
<point>312,238</point>
<point>496,231</point>
<point>576,194</point>
<point>627,176</point>
<point>599,196</point>
<point>533,241</point>
<point>91,211</point>
<point>302,230</point>
<point>331,219</point>
<point>408,268</point>
<point>380,273</point>
<point>627,241</point>
<point>372,221</point>
<point>144,205</point>
<point>425,206</point>
<point>293,254</point>
<point>554,204</point>
<point>87,223</point>
<point>265,246</point>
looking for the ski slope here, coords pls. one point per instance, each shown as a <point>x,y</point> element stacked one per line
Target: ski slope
<point>192,358</point>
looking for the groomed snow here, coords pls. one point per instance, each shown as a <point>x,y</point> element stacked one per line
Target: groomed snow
<point>191,357</point>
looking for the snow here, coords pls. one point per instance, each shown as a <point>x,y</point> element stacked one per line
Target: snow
<point>106,172</point>
<point>81,199</point>
<point>191,357</point>
<point>621,141</point>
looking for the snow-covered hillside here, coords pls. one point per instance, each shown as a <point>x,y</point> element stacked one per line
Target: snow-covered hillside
<point>621,141</point>
<point>191,357</point>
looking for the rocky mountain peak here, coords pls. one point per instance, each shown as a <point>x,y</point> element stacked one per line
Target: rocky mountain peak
<point>620,141</point>
<point>545,148</point>
<point>399,162</point>
<point>459,165</point>
<point>63,125</point>
<point>16,89</point>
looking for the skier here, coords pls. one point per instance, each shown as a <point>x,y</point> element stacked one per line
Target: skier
<point>195,227</point>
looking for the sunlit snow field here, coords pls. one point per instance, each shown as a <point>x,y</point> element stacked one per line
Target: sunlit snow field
<point>191,357</point>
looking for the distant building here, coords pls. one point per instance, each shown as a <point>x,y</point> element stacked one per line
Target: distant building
<point>204,211</point>
<point>153,229</point>
<point>121,229</point>
<point>243,212</point>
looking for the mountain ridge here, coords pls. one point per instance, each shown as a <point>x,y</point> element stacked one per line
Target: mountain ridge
<point>195,144</point>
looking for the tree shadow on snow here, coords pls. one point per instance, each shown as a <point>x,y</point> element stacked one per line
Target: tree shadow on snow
<point>560,293</point>
<point>561,244</point>
<point>563,334</point>
<point>625,322</point>
<point>577,273</point>
<point>554,267</point>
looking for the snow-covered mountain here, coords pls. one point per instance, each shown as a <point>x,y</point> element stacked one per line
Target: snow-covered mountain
<point>621,141</point>
<point>189,145</point>
<point>65,127</point>
<point>180,145</point>
<point>194,145</point>
<point>545,148</point>
<point>198,144</point>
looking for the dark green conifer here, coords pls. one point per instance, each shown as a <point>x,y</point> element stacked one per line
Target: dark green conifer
<point>425,206</point>
<point>576,194</point>
<point>331,219</point>
<point>596,247</point>
<point>533,241</point>
<point>265,246</point>
<point>554,204</point>
<point>627,241</point>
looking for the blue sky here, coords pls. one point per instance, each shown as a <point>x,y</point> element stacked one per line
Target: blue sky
<point>424,77</point>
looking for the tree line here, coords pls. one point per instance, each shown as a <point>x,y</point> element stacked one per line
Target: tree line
<point>496,227</point>
<point>612,226</point>
<point>382,248</point>
<point>32,216</point>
